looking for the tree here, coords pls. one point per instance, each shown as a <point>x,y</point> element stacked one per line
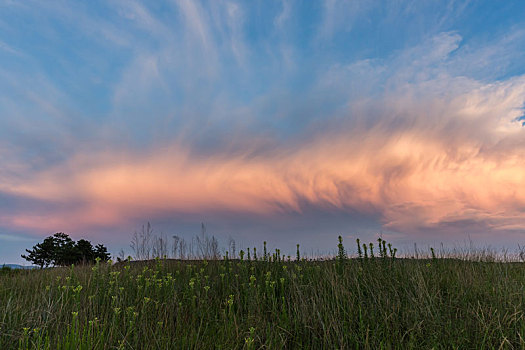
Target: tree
<point>101,252</point>
<point>65,252</point>
<point>42,254</point>
<point>61,250</point>
<point>84,251</point>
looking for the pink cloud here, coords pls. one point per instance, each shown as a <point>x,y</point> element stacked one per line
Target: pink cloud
<point>464,160</point>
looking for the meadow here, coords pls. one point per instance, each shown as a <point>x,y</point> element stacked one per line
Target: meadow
<point>373,300</point>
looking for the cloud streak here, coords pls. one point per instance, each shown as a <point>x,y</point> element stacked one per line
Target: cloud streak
<point>427,163</point>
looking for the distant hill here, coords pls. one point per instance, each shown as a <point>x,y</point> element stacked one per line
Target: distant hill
<point>16,266</point>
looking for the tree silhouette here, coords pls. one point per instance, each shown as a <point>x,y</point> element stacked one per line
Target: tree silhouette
<point>42,254</point>
<point>61,250</point>
<point>65,253</point>
<point>85,251</point>
<point>101,252</point>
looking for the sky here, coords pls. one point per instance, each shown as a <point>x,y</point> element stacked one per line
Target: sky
<point>280,121</point>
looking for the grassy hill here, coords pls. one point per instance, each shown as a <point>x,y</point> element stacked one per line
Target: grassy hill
<point>365,303</point>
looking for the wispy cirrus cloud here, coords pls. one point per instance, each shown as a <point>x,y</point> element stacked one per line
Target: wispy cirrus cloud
<point>429,152</point>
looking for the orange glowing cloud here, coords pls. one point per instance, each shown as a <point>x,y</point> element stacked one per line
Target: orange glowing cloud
<point>425,163</point>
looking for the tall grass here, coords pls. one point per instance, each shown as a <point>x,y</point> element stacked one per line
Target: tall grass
<point>365,303</point>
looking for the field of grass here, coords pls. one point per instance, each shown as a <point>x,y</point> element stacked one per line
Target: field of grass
<point>361,303</point>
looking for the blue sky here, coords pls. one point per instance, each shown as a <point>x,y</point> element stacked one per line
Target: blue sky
<point>284,121</point>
